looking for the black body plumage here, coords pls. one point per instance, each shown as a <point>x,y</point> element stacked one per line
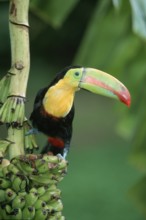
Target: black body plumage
<point>59,128</point>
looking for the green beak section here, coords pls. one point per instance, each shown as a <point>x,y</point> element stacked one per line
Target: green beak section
<point>102,83</point>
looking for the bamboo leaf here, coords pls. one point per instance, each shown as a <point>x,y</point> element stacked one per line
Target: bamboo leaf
<point>53,12</point>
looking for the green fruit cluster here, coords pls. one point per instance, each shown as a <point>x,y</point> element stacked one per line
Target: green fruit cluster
<point>12,111</point>
<point>4,144</point>
<point>4,87</point>
<point>29,140</point>
<point>28,188</point>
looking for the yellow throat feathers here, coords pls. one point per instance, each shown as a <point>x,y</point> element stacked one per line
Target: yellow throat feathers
<point>59,98</point>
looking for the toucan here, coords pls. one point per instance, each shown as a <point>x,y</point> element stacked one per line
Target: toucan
<point>53,111</point>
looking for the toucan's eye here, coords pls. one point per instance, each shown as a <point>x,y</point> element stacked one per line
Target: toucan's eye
<point>76,74</point>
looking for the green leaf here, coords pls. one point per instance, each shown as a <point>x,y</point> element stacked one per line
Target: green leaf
<point>104,43</point>
<point>139,17</point>
<point>109,44</point>
<point>138,194</point>
<point>138,156</point>
<point>132,124</point>
<point>86,55</point>
<point>117,4</point>
<point>53,12</point>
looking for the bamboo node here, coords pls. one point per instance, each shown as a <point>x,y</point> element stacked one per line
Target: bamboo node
<point>19,65</point>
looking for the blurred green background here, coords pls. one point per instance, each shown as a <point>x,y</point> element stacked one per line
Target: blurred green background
<point>108,137</point>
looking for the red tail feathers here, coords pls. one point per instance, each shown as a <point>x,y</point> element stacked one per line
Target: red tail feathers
<point>57,142</point>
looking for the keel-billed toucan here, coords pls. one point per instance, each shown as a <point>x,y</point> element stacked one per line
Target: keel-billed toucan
<point>53,111</point>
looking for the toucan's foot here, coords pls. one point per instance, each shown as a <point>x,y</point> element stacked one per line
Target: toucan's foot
<point>32,131</point>
<point>66,150</point>
<point>60,156</point>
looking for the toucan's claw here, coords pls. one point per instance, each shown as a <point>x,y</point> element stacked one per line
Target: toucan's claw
<point>60,157</point>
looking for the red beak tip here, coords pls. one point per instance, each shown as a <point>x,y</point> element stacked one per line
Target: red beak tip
<point>128,102</point>
<point>126,99</point>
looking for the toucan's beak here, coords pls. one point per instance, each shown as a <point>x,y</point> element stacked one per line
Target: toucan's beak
<point>102,83</point>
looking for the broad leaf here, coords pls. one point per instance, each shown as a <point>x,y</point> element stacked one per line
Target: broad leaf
<point>117,4</point>
<point>53,12</point>
<point>138,194</point>
<point>139,17</point>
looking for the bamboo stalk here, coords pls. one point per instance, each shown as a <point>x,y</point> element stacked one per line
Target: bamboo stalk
<point>19,36</point>
<point>17,138</point>
<point>28,183</point>
<point>20,65</point>
<point>13,86</point>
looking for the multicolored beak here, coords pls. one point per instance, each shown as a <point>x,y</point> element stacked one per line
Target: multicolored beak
<point>102,83</point>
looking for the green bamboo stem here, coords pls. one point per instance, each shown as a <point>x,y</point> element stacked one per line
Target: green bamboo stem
<point>30,191</point>
<point>17,138</point>
<point>19,36</point>
<point>20,65</point>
